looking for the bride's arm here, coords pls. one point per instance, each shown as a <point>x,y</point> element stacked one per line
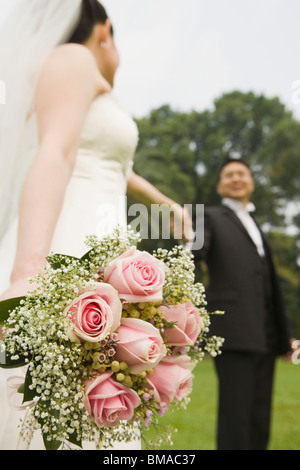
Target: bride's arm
<point>68,83</point>
<point>147,194</point>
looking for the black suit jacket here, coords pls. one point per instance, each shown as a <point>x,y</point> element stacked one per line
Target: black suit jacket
<point>236,285</point>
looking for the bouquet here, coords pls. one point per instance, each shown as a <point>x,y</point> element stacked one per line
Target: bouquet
<point>108,341</point>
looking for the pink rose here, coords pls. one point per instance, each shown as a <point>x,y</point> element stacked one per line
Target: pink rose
<point>95,313</point>
<point>172,379</point>
<point>137,276</point>
<point>108,401</point>
<point>188,324</point>
<point>139,344</point>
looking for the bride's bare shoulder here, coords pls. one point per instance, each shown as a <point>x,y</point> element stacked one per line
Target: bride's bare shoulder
<point>72,54</point>
<point>67,61</point>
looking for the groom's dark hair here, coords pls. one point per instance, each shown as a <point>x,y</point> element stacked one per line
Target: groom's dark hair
<point>227,161</point>
<point>92,13</point>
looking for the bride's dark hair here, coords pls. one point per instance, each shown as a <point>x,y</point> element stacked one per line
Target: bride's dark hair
<point>92,13</point>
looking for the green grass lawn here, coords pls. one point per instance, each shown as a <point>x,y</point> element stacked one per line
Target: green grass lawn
<point>196,425</point>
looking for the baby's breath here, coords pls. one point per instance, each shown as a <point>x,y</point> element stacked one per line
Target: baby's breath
<point>180,283</point>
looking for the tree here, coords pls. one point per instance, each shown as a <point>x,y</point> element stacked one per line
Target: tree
<point>185,150</point>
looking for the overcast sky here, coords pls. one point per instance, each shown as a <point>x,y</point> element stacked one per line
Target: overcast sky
<point>188,52</point>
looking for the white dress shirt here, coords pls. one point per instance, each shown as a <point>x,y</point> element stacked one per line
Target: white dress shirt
<point>248,222</point>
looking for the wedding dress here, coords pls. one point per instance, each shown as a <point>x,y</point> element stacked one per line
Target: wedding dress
<point>94,203</point>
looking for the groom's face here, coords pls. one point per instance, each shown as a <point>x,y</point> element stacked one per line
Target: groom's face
<point>236,182</point>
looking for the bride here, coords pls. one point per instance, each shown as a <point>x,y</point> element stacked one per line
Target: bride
<point>74,156</point>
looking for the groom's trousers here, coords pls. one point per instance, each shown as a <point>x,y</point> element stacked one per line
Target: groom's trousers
<point>245,399</point>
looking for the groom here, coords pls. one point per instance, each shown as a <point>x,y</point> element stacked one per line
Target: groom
<point>243,283</point>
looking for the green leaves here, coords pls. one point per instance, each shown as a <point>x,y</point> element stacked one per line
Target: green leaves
<point>7,306</point>
<point>57,261</point>
<point>86,257</point>
<point>53,444</point>
<point>74,440</point>
<point>12,364</point>
<point>29,393</point>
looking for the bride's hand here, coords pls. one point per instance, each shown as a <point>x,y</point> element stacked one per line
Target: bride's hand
<point>23,278</point>
<point>17,289</point>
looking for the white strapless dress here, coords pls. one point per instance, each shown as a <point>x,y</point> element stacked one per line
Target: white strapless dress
<point>95,202</point>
